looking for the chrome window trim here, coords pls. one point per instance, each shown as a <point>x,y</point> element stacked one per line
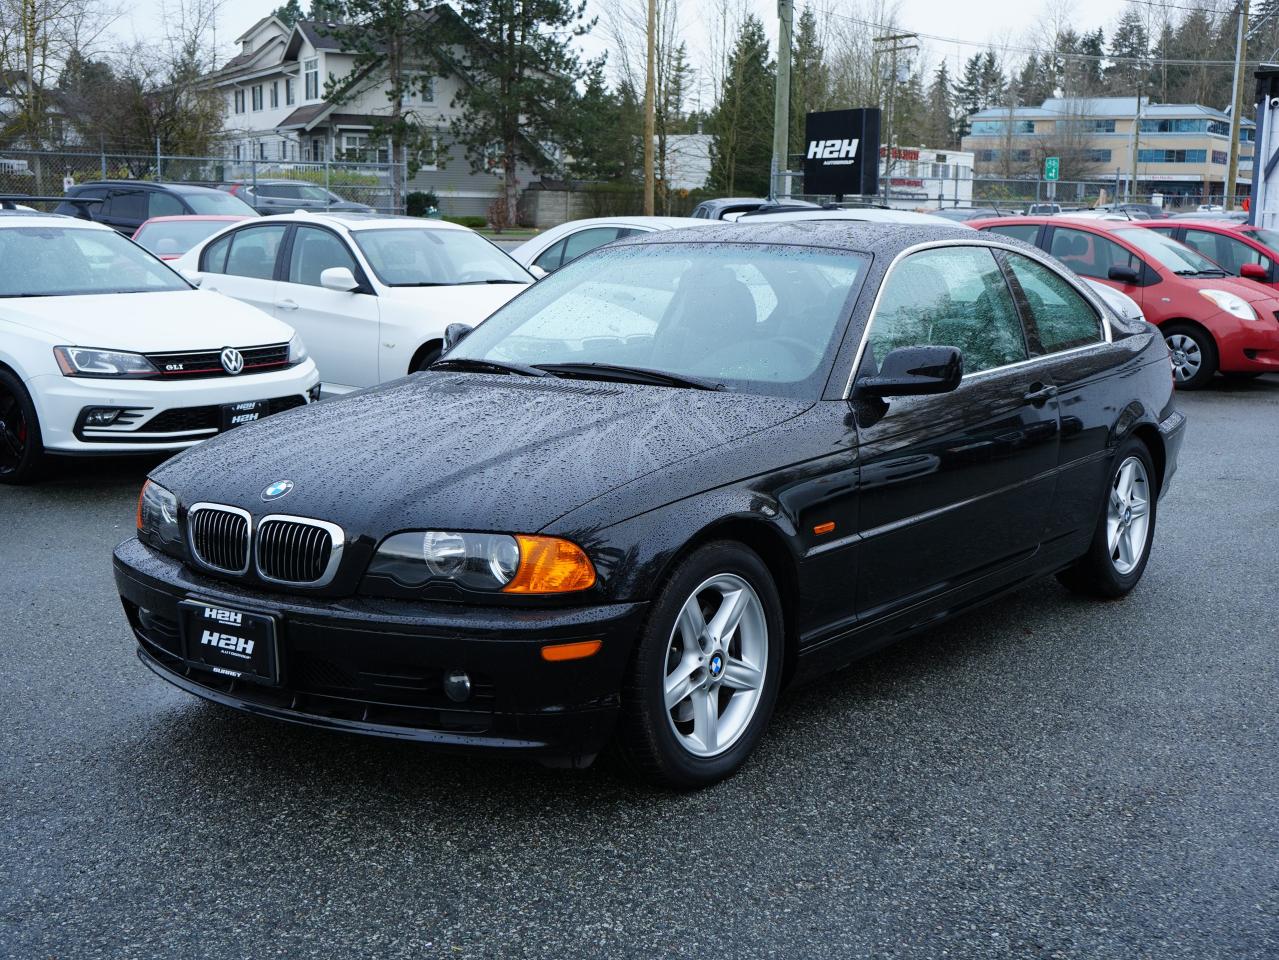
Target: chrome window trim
<point>1035,254</point>
<point>248,536</point>
<point>336,534</point>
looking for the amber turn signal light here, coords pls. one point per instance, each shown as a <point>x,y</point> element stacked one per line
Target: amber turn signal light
<point>550,565</point>
<point>142,493</point>
<point>557,652</point>
<point>826,527</point>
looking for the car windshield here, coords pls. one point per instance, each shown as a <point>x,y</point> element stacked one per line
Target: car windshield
<point>1175,256</point>
<point>1269,237</point>
<point>427,257</point>
<point>215,202</point>
<point>69,261</point>
<point>171,238</point>
<point>754,318</point>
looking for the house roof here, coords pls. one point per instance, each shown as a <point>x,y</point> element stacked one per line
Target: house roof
<point>309,117</point>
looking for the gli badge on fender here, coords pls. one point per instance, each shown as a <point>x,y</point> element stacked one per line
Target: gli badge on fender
<point>275,491</point>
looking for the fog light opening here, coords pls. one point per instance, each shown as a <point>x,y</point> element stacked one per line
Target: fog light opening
<point>457,686</point>
<point>101,416</point>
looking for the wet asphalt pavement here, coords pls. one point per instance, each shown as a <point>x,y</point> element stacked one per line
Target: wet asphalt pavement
<point>1048,777</point>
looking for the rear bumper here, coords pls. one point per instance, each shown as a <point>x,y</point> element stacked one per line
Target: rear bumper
<point>375,667</point>
<point>1172,430</point>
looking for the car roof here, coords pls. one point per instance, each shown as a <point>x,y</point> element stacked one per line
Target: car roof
<point>355,220</point>
<point>28,218</point>
<point>886,239</point>
<point>669,223</point>
<point>228,217</point>
<point>148,185</point>
<point>1199,223</point>
<point>858,214</point>
<point>1081,222</point>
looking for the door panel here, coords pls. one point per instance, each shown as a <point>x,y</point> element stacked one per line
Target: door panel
<point>957,484</point>
<point>339,328</point>
<point>243,264</point>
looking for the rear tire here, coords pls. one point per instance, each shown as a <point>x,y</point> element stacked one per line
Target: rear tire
<point>22,458</point>
<point>426,357</point>
<point>704,676</point>
<point>1120,547</point>
<point>1194,355</point>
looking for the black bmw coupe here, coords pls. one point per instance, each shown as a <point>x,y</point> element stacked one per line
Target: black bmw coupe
<point>661,484</point>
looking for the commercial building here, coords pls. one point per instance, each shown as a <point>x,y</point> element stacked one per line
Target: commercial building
<point>1178,150</point>
<point>918,178</point>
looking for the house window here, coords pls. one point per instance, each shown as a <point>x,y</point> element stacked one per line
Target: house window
<point>257,98</point>
<point>239,152</point>
<point>261,149</point>
<point>317,149</point>
<point>239,101</point>
<point>275,94</point>
<point>422,90</point>
<point>311,75</point>
<point>289,97</point>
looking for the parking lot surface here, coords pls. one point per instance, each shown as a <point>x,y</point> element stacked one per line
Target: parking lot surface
<point>1048,777</point>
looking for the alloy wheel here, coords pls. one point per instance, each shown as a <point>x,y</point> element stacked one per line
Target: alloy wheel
<point>1128,515</point>
<point>715,665</point>
<point>1187,356</point>
<point>13,432</point>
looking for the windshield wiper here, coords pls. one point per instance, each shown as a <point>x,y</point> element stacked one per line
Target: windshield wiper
<point>471,283</point>
<point>488,366</point>
<point>614,371</point>
<point>1201,273</point>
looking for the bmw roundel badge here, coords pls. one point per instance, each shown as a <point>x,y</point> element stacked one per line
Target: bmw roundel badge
<point>275,491</point>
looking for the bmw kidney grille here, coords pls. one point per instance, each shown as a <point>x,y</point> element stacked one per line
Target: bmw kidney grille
<point>296,551</point>
<point>220,537</point>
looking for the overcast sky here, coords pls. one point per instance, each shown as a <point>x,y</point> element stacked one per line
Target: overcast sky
<point>1006,22</point>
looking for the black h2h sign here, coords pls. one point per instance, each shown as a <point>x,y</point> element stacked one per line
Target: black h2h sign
<point>841,152</point>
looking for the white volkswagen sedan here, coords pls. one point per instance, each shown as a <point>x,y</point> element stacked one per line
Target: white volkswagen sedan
<point>370,294</point>
<point>549,251</point>
<point>105,349</point>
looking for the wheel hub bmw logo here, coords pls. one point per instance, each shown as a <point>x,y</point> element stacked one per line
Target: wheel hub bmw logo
<point>277,490</point>
<point>716,666</point>
<point>232,361</point>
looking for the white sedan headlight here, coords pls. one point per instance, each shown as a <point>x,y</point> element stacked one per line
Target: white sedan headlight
<point>88,362</point>
<point>297,350</point>
<point>1233,304</point>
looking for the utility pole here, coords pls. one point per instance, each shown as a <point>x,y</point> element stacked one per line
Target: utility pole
<point>1136,143</point>
<point>1236,111</point>
<point>781,103</point>
<point>650,84</point>
<point>892,44</point>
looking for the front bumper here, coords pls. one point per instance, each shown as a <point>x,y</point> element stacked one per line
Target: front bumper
<point>170,415</point>
<point>374,666</point>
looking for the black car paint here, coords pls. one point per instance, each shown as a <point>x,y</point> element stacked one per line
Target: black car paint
<point>939,502</point>
<point>107,189</point>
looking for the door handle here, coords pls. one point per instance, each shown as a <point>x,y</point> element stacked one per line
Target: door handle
<point>1039,394</point>
<point>286,304</point>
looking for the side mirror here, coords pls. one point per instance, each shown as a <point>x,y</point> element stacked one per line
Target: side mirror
<point>454,334</point>
<point>537,271</point>
<point>340,279</point>
<point>914,371</point>
<point>1123,274</point>
<point>1255,271</point>
<point>193,277</point>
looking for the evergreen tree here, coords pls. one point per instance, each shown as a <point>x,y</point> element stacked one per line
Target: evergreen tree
<point>809,77</point>
<point>993,84</point>
<point>968,94</point>
<point>1130,51</point>
<point>939,131</point>
<point>741,128</point>
<point>606,131</point>
<point>289,13</point>
<point>325,11</point>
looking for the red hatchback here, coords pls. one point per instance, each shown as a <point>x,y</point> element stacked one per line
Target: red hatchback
<point>1211,321</point>
<point>1242,249</point>
<point>170,237</point>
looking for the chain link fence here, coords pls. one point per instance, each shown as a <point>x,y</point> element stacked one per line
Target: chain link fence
<point>47,173</point>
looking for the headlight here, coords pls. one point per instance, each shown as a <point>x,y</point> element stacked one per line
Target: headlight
<point>158,518</point>
<point>484,561</point>
<point>1233,304</point>
<point>297,350</point>
<point>86,362</point>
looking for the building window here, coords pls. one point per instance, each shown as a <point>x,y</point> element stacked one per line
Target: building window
<point>1097,156</point>
<point>311,76</point>
<point>275,94</point>
<point>239,152</point>
<point>289,97</point>
<point>421,90</point>
<point>317,149</point>
<point>239,101</point>
<point>1247,134</point>
<point>987,156</point>
<point>257,98</point>
<point>988,128</point>
<point>1021,156</point>
<point>1172,156</point>
<point>1219,156</point>
<point>1216,127</point>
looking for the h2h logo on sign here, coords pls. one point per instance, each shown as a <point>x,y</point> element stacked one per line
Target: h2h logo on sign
<point>842,153</point>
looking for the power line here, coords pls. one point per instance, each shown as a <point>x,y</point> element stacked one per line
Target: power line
<point>1030,51</point>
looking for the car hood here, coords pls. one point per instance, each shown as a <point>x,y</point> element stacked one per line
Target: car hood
<point>148,322</point>
<point>461,304</point>
<point>465,451</point>
<point>1249,290</point>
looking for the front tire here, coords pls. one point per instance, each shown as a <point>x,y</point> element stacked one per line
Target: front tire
<point>21,444</point>
<point>704,677</point>
<point>1193,353</point>
<point>1120,547</point>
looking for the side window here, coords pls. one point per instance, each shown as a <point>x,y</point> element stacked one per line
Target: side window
<point>1061,316</point>
<point>253,252</point>
<point>1202,242</point>
<point>127,205</point>
<point>551,257</point>
<point>585,241</point>
<point>164,205</point>
<point>1018,231</point>
<point>1232,254</point>
<point>1089,254</point>
<point>213,257</point>
<point>953,296</point>
<point>314,251</point>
